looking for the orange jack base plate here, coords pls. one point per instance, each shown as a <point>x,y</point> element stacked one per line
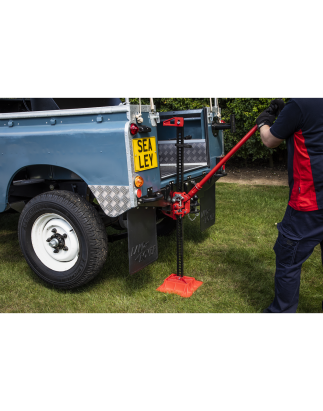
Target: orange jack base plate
<point>183,286</point>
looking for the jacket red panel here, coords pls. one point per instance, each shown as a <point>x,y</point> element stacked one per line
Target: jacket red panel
<point>303,195</point>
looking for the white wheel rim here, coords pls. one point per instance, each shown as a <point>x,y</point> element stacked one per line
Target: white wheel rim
<point>42,230</point>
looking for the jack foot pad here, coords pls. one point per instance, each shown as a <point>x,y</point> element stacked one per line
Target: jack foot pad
<point>183,286</point>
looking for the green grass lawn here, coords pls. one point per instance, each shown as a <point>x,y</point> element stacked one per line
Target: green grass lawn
<point>234,259</point>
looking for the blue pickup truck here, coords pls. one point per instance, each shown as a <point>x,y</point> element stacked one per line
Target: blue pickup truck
<point>72,167</point>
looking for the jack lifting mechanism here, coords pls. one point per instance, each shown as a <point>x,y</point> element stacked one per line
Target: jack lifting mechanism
<point>181,206</point>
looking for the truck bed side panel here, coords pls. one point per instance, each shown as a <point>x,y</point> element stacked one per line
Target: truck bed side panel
<point>93,150</point>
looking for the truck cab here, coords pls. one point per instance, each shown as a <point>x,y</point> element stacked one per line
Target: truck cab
<point>72,167</point>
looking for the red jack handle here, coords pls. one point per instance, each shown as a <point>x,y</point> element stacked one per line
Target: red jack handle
<point>199,185</point>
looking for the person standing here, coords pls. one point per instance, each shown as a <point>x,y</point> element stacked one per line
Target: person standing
<point>300,123</point>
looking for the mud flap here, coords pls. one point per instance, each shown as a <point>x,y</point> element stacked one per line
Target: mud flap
<point>207,208</point>
<point>142,238</point>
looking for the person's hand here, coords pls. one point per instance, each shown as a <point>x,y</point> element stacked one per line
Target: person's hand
<point>266,117</point>
<point>269,115</point>
<point>277,105</point>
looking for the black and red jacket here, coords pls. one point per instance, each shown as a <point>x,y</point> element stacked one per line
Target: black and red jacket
<point>301,124</point>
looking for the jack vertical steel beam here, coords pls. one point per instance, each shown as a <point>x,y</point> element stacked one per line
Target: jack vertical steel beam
<point>180,184</point>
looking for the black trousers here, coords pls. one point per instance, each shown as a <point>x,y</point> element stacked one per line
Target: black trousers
<point>299,233</point>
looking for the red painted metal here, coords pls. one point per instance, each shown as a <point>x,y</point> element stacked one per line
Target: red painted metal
<point>184,209</point>
<point>199,185</point>
<point>183,286</point>
<point>178,122</point>
<point>178,208</point>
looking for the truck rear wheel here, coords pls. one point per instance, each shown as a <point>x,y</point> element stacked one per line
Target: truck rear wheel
<point>62,238</point>
<point>166,226</point>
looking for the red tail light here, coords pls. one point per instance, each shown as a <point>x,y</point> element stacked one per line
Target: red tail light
<point>139,193</point>
<point>134,129</point>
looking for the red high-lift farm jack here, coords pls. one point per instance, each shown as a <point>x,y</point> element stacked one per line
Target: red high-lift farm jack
<point>181,206</point>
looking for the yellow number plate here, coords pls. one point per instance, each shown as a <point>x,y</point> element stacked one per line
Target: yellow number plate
<point>145,153</point>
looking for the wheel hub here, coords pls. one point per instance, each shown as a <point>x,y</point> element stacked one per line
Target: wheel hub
<point>55,242</point>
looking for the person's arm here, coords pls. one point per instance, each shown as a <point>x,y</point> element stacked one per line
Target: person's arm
<point>268,139</point>
<point>289,120</point>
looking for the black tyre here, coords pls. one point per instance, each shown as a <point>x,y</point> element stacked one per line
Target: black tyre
<point>166,226</point>
<point>62,238</point>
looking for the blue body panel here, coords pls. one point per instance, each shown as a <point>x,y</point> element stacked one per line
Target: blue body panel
<point>94,151</point>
